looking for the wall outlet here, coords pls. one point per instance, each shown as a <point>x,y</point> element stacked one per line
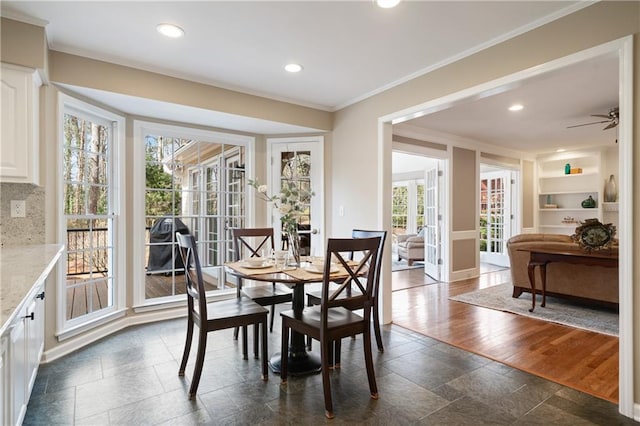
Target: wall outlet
<point>18,208</point>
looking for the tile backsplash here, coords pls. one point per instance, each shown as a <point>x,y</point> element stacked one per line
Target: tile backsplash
<point>18,231</point>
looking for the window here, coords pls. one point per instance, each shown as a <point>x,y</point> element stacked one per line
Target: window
<point>92,286</point>
<point>187,181</point>
<point>400,210</point>
<point>408,203</point>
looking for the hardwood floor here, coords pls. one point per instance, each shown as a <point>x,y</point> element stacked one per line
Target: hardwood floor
<point>583,360</point>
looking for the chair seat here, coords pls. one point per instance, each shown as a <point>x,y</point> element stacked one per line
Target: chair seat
<point>268,294</point>
<point>337,317</point>
<point>225,309</point>
<point>315,296</point>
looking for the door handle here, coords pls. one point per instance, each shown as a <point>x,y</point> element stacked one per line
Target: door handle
<point>312,231</point>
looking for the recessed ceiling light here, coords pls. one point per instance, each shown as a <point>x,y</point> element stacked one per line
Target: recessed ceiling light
<point>170,30</point>
<point>387,4</point>
<point>515,107</point>
<point>293,67</point>
<point>560,150</point>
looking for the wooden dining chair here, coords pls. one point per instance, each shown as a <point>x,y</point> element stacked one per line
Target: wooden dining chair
<point>313,297</point>
<point>250,242</point>
<point>237,312</point>
<point>335,318</point>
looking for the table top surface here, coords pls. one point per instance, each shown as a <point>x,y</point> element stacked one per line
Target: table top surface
<point>598,254</point>
<point>306,273</point>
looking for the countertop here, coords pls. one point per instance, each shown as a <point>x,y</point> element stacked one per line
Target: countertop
<point>21,268</point>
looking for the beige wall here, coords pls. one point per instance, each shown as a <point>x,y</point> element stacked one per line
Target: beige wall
<point>23,44</point>
<point>528,196</point>
<point>464,190</point>
<point>85,72</point>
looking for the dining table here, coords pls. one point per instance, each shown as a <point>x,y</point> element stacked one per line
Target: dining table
<point>300,361</point>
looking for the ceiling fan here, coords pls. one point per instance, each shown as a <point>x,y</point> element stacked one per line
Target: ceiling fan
<point>612,118</point>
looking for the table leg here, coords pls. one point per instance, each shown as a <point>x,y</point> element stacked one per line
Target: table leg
<point>543,278</point>
<point>532,280</point>
<point>300,362</point>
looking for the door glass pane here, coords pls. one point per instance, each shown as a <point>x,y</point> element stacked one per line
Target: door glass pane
<point>295,175</point>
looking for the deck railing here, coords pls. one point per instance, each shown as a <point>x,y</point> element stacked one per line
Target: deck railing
<point>79,251</point>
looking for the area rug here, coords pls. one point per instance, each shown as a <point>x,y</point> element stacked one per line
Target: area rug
<point>401,265</point>
<point>557,310</point>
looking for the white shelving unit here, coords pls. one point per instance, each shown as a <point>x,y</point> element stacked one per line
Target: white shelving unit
<point>568,191</point>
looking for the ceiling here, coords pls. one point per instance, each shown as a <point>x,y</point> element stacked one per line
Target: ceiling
<point>349,51</point>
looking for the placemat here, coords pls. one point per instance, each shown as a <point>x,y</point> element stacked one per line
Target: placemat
<point>237,266</point>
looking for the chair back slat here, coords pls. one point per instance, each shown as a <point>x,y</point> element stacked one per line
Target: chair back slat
<point>359,276</point>
<point>196,295</point>
<point>252,240</point>
<point>362,233</point>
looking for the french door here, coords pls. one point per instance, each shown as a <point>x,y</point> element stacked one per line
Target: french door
<point>495,217</point>
<point>298,162</point>
<point>432,218</point>
<point>193,182</point>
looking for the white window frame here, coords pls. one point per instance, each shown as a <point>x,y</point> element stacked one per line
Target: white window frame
<point>140,129</point>
<point>69,328</point>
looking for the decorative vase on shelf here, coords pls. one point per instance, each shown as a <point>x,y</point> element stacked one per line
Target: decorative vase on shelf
<point>589,203</point>
<point>610,190</point>
<point>567,169</point>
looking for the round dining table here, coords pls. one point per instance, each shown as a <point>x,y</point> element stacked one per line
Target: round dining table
<point>300,362</point>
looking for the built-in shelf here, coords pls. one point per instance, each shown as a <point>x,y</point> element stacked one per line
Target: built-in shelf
<point>610,207</point>
<point>568,191</point>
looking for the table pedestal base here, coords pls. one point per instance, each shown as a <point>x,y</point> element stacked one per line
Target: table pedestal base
<point>303,364</point>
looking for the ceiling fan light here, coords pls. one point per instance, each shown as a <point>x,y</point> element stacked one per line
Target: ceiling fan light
<point>516,107</point>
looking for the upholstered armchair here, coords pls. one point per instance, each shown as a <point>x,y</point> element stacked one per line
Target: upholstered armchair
<point>411,247</point>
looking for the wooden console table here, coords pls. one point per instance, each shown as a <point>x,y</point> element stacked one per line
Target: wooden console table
<point>541,257</point>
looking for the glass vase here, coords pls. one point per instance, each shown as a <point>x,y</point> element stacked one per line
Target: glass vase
<point>294,246</point>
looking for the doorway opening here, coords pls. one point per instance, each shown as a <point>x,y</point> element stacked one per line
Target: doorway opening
<point>417,212</point>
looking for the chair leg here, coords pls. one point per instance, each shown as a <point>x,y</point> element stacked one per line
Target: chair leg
<point>256,349</point>
<point>309,304</point>
<point>273,314</point>
<point>284,352</point>
<point>235,333</point>
<point>337,348</point>
<point>376,328</point>
<point>197,372</point>
<point>187,346</point>
<point>245,351</point>
<point>325,348</point>
<point>368,360</point>
<point>265,368</point>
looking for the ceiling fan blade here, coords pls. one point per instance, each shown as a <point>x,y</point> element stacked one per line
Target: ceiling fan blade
<point>588,124</point>
<point>611,125</point>
<point>601,115</point>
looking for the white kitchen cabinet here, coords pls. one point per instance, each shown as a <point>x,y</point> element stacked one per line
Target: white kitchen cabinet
<point>19,146</point>
<point>21,359</point>
<point>560,195</point>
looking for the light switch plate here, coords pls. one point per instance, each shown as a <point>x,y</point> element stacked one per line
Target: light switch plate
<point>18,208</point>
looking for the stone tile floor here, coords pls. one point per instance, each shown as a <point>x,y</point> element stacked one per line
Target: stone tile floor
<point>130,378</point>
